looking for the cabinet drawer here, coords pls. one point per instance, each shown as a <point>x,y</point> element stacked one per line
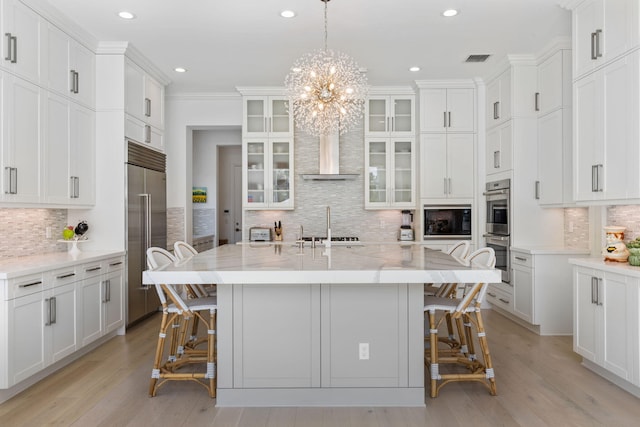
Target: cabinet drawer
<point>114,264</point>
<point>92,269</point>
<point>519,258</point>
<point>498,298</point>
<point>506,288</point>
<point>63,276</point>
<point>25,285</point>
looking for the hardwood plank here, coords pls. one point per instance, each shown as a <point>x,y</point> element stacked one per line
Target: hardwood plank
<point>540,382</point>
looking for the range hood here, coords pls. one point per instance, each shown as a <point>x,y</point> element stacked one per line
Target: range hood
<point>329,161</point>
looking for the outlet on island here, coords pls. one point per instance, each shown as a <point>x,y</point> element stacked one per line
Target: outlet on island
<point>364,350</point>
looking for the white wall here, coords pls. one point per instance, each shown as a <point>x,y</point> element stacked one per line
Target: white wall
<point>183,115</point>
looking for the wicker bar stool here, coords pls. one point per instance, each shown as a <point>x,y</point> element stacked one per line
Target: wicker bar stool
<point>466,312</point>
<point>178,313</point>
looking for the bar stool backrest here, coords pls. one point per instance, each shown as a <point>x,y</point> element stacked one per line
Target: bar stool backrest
<point>183,250</point>
<point>157,257</point>
<point>483,257</point>
<point>460,249</point>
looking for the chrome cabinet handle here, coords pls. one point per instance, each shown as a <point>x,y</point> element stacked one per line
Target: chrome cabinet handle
<point>496,110</point>
<point>147,134</point>
<point>53,316</point>
<point>8,57</point>
<point>599,286</point>
<point>594,178</point>
<point>537,190</point>
<point>147,107</point>
<point>537,101</point>
<point>598,53</point>
<point>449,186</point>
<point>88,270</point>
<point>72,81</point>
<point>449,121</point>
<point>76,187</point>
<point>496,159</point>
<point>64,276</point>
<point>76,82</point>
<point>444,118</point>
<point>491,294</point>
<point>594,282</point>
<point>593,46</point>
<point>26,285</point>
<point>47,301</point>
<point>506,301</point>
<point>104,292</point>
<point>113,264</point>
<point>600,176</point>
<point>519,258</point>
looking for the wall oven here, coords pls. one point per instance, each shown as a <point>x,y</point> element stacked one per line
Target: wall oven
<point>498,227</point>
<point>447,222</point>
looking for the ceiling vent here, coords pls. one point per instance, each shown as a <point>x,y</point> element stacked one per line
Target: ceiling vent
<point>477,58</point>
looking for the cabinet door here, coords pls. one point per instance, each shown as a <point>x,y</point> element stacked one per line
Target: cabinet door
<point>281,167</point>
<point>134,91</point>
<point>550,84</point>
<point>550,158</point>
<point>56,64</point>
<point>523,293</point>
<point>91,309</point>
<point>460,165</point>
<point>256,179</point>
<point>586,320</point>
<point>617,341</point>
<point>460,110</point>
<point>153,94</point>
<point>255,116</point>
<point>21,40</point>
<point>82,155</point>
<point>58,185</point>
<point>113,299</point>
<point>63,328</point>
<point>586,20</point>
<point>587,127</point>
<point>377,116</point>
<point>26,337</point>
<point>21,141</point>
<point>377,167</point>
<point>433,110</point>
<point>403,172</point>
<point>401,116</point>
<point>280,121</point>
<point>499,149</point>
<point>82,62</point>
<point>433,165</point>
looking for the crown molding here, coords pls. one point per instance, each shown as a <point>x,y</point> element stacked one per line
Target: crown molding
<point>441,83</point>
<point>262,90</point>
<point>391,90</point>
<point>203,96</point>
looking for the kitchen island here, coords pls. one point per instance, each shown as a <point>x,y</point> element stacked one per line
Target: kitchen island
<point>339,326</point>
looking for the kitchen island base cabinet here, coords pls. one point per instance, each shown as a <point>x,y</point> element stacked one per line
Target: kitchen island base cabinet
<point>329,344</point>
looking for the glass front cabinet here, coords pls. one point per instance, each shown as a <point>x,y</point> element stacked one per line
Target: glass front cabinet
<point>390,116</point>
<point>390,166</point>
<point>268,169</point>
<point>267,116</point>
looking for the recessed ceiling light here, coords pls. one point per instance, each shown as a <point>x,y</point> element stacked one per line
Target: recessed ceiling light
<point>414,69</point>
<point>126,15</point>
<point>180,70</point>
<point>449,13</point>
<point>287,14</point>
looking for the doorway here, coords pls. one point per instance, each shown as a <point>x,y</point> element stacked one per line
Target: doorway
<point>229,194</point>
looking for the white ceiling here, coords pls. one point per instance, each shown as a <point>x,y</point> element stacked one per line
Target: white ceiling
<point>225,44</point>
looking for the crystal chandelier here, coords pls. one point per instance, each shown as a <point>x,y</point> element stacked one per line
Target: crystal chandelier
<point>326,90</point>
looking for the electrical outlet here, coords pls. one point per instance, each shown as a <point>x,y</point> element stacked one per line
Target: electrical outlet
<point>363,349</point>
<point>382,224</point>
<point>47,232</point>
<point>570,226</point>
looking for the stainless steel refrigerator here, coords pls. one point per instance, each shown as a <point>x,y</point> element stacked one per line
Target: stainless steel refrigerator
<point>146,224</point>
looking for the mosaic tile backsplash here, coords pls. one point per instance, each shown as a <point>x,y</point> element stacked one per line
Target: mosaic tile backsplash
<point>626,216</point>
<point>23,231</point>
<point>175,225</point>
<point>576,228</point>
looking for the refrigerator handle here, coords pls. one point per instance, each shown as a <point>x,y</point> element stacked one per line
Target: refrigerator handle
<point>146,222</point>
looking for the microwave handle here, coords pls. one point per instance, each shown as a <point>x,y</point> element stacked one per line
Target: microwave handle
<point>494,237</point>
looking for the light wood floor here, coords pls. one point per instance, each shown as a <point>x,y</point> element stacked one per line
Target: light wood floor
<point>540,383</point>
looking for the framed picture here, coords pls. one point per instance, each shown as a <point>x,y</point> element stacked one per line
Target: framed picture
<point>199,194</point>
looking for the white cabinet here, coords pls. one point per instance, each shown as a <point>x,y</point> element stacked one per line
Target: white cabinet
<point>267,116</point>
<point>390,115</point>
<point>69,152</point>
<point>552,100</point>
<point>144,105</point>
<point>48,316</point>
<point>267,173</point>
<point>389,163</point>
<point>69,67</point>
<point>606,321</point>
<point>102,299</point>
<point>20,46</point>
<point>499,149</point>
<point>447,110</point>
<point>539,294</point>
<point>605,152</point>
<point>447,167</point>
<point>21,144</point>
<point>602,31</point>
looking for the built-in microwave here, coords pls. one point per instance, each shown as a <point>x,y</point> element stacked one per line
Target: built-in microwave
<point>447,222</point>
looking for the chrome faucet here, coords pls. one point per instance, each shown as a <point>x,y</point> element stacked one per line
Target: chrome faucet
<point>327,242</point>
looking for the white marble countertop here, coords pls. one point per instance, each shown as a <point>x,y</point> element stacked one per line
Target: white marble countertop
<point>611,266</point>
<point>22,266</point>
<point>267,263</point>
<point>550,250</point>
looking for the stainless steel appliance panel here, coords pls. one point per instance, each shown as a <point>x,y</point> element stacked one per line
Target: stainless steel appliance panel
<point>146,225</point>
<point>498,197</point>
<point>501,246</point>
<point>447,222</point>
